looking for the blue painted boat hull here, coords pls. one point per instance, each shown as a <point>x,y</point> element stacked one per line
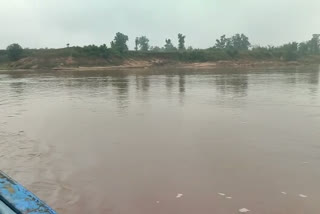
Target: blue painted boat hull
<point>15,199</point>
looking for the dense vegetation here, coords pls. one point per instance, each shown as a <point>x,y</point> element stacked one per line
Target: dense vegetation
<point>225,48</point>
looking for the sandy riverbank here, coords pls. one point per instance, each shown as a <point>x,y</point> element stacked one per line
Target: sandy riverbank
<point>180,65</point>
<point>73,65</point>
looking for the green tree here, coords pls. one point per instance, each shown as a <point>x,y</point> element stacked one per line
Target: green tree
<point>143,43</point>
<point>136,44</point>
<point>304,48</point>
<point>290,51</point>
<point>104,51</point>
<point>14,52</point>
<point>120,43</point>
<point>190,48</point>
<point>240,42</point>
<point>221,43</point>
<point>181,39</point>
<point>314,44</point>
<point>169,46</point>
<point>155,49</point>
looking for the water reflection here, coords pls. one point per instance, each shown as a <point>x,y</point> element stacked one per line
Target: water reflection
<point>182,83</point>
<point>18,88</point>
<point>142,83</point>
<point>313,80</point>
<point>308,77</point>
<point>120,86</point>
<point>182,87</point>
<point>145,83</point>
<point>18,75</point>
<point>232,84</point>
<point>169,82</point>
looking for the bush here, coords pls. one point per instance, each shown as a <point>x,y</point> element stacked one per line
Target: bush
<point>14,52</point>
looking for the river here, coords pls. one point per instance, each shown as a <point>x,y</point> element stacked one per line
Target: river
<point>165,141</point>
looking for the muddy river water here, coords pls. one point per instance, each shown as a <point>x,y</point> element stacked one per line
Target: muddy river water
<point>165,141</point>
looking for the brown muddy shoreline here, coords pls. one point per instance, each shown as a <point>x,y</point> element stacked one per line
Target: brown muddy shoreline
<point>161,64</point>
<point>180,65</point>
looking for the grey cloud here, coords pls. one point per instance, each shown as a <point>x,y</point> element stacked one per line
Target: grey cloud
<point>53,23</point>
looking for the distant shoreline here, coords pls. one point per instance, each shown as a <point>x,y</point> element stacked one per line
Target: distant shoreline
<point>31,64</point>
<point>228,52</point>
<point>180,65</point>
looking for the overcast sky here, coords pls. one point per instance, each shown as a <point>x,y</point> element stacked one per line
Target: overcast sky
<point>54,23</point>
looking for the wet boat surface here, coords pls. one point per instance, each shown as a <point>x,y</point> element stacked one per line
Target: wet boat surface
<point>14,198</point>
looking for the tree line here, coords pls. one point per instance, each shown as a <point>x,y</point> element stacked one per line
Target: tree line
<point>224,48</point>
